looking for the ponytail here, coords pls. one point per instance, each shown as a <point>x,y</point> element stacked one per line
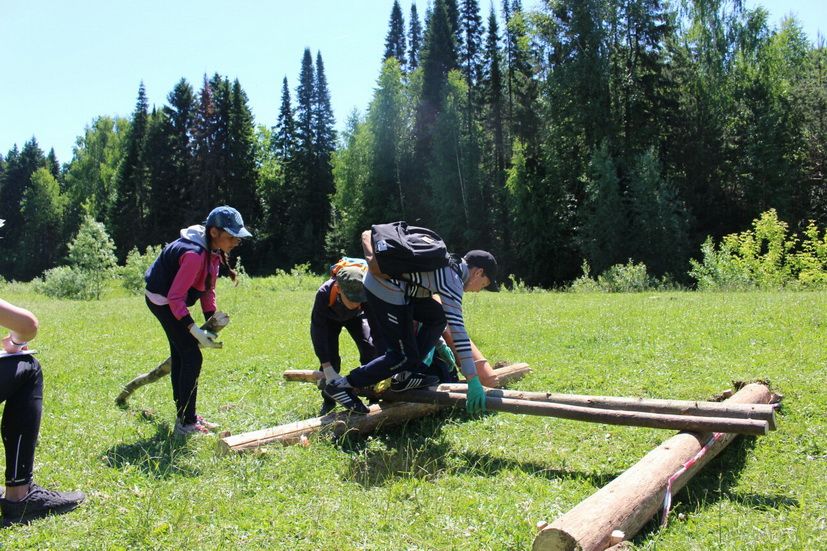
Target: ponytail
<point>208,283</point>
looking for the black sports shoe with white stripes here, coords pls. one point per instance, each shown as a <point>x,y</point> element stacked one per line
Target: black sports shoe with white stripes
<point>408,380</point>
<point>345,397</point>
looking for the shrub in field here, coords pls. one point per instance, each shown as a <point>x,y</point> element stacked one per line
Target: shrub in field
<point>132,272</point>
<point>91,263</point>
<point>299,278</point>
<point>620,278</point>
<point>763,257</point>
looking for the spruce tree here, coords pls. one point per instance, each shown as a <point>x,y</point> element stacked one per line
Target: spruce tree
<point>395,39</point>
<point>284,133</point>
<point>603,228</point>
<point>242,174</point>
<point>438,58</point>
<point>129,216</point>
<point>414,39</point>
<point>495,151</point>
<point>204,188</point>
<point>53,165</point>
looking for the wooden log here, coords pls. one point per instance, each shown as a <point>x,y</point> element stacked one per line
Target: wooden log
<point>593,415</point>
<point>386,414</point>
<point>163,368</point>
<point>505,374</point>
<point>383,414</point>
<point>633,498</point>
<point>701,408</point>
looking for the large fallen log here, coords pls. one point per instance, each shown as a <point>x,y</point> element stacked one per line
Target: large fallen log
<point>700,408</point>
<point>634,497</point>
<point>385,414</point>
<point>214,324</point>
<point>594,415</point>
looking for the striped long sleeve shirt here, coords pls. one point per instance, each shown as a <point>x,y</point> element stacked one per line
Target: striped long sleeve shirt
<point>448,283</point>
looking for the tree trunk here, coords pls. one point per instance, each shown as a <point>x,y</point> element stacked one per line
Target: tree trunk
<point>634,497</point>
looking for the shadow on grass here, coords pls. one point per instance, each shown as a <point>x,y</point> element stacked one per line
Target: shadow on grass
<point>715,482</point>
<point>419,450</point>
<point>160,456</point>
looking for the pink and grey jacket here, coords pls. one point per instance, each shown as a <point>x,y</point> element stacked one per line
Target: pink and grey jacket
<point>178,276</point>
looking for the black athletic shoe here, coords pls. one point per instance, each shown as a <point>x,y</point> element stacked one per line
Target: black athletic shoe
<point>345,397</point>
<point>327,405</point>
<point>408,380</point>
<point>39,503</point>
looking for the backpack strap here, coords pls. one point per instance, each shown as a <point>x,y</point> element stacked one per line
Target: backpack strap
<point>334,292</point>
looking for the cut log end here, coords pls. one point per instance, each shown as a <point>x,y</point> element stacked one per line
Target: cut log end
<point>553,539</point>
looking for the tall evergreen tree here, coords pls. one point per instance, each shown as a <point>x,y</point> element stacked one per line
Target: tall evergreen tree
<point>129,216</point>
<point>53,165</point>
<point>20,166</point>
<point>242,174</point>
<point>438,57</point>
<point>284,133</point>
<point>42,243</point>
<point>204,189</point>
<point>414,39</point>
<point>395,39</point>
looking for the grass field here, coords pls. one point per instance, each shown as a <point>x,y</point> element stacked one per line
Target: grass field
<point>449,482</point>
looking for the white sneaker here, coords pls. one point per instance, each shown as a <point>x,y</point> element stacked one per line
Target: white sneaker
<point>192,428</point>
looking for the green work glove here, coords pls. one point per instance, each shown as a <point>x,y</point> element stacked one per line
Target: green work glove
<point>446,354</point>
<point>475,399</point>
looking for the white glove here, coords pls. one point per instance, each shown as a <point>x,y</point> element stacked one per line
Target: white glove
<point>206,339</point>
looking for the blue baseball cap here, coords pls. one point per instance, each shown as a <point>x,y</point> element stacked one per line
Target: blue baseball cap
<point>227,219</point>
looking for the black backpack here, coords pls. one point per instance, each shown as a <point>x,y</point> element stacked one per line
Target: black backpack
<point>401,249</point>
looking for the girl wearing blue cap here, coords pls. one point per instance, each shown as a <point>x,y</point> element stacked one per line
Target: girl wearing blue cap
<point>185,272</point>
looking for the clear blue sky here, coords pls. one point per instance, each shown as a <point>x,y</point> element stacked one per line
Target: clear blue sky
<point>65,63</point>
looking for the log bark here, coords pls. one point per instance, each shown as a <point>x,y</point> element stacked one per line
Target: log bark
<point>700,408</point>
<point>592,415</point>
<point>634,497</point>
<point>384,414</point>
<point>162,369</point>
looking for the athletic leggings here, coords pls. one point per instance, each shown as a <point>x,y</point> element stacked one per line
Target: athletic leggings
<point>186,362</point>
<point>21,387</point>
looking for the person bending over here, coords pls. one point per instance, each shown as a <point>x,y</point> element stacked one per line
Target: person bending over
<point>184,272</point>
<point>397,303</point>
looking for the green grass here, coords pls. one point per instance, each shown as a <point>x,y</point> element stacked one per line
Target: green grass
<point>449,482</point>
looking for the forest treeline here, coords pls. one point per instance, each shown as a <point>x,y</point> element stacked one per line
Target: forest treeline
<point>588,130</point>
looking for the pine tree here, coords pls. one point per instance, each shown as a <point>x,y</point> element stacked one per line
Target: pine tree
<point>242,174</point>
<point>414,39</point>
<point>395,39</point>
<point>495,152</point>
<point>53,165</point>
<point>438,58</point>
<point>602,233</point>
<point>129,216</point>
<point>284,133</point>
<point>204,189</point>
<point>324,136</point>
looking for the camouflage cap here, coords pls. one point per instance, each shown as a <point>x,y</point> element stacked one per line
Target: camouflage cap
<point>350,280</point>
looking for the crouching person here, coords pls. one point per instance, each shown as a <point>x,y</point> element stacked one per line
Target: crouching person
<point>397,303</point>
<point>21,388</point>
<point>340,304</point>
